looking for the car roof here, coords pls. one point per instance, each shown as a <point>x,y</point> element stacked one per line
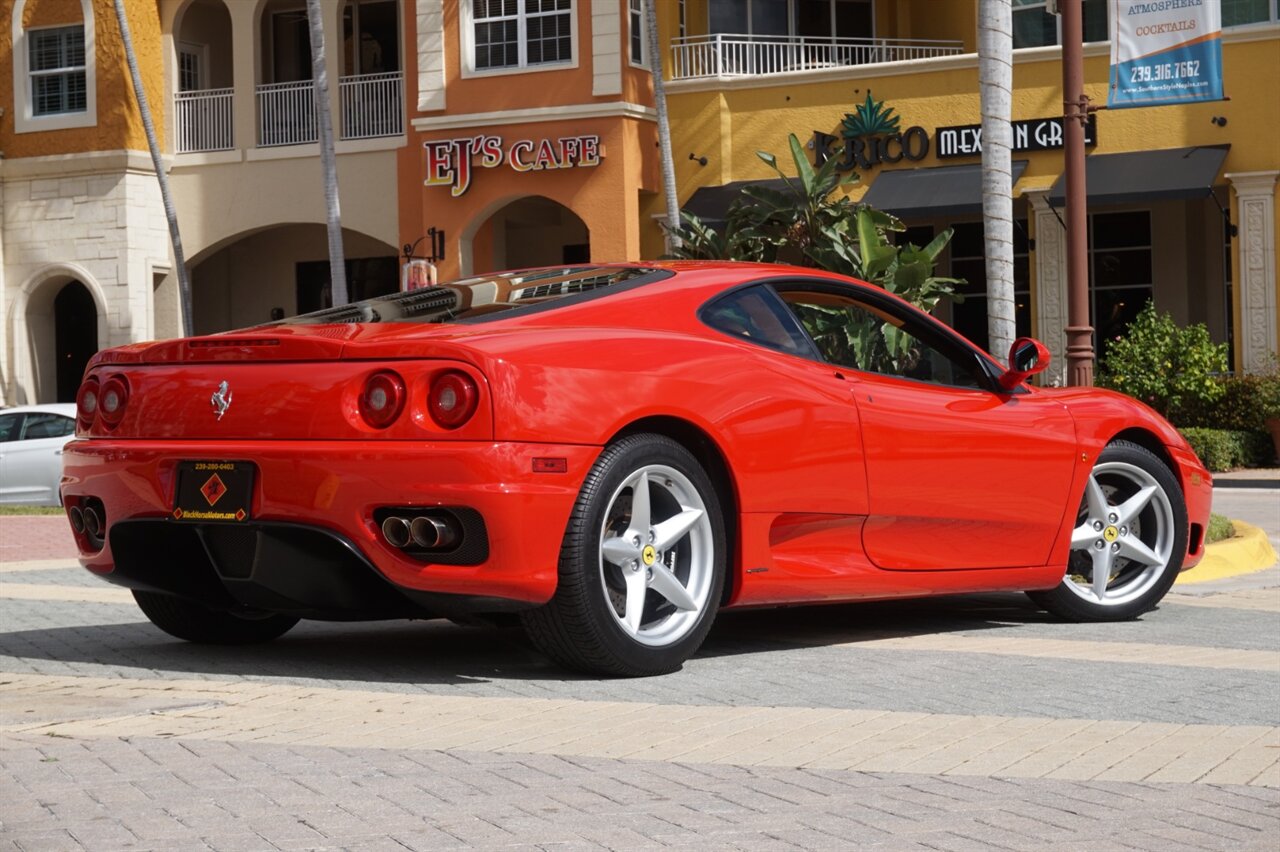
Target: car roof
<point>67,409</point>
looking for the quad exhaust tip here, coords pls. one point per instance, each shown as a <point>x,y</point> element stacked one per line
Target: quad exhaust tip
<point>92,522</point>
<point>77,519</point>
<point>421,531</point>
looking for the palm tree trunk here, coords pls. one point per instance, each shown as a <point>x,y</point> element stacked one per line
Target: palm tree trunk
<point>328,160</point>
<point>664,126</point>
<point>995,83</point>
<point>166,197</point>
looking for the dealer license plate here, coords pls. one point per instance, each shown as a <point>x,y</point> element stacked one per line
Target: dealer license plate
<point>214,491</point>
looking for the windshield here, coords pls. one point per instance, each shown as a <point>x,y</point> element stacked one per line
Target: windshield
<point>486,297</point>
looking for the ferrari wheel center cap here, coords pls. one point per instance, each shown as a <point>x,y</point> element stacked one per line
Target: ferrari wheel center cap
<point>649,555</point>
<point>1110,533</point>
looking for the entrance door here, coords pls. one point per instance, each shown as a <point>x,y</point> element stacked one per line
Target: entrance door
<point>959,474</point>
<point>533,231</point>
<point>75,335</point>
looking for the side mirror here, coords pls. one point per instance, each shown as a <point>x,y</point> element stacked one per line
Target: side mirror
<point>1027,356</point>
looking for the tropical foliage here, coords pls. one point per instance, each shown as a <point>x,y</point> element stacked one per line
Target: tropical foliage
<point>808,222</point>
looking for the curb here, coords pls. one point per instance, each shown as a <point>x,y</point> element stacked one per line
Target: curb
<point>1247,552</point>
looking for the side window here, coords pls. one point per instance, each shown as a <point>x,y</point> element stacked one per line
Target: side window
<point>863,336</point>
<point>47,426</point>
<point>9,424</point>
<point>635,19</point>
<point>756,314</point>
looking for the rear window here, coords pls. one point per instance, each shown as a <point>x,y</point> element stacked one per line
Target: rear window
<point>488,297</point>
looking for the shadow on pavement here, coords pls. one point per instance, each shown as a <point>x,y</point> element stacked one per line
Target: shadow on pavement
<point>442,653</point>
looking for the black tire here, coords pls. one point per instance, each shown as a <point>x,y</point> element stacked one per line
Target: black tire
<point>582,627</point>
<point>194,623</point>
<point>1132,587</point>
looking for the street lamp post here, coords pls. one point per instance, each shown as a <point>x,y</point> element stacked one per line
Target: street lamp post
<point>1075,115</point>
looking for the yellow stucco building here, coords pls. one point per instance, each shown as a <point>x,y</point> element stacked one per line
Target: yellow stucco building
<point>1181,198</point>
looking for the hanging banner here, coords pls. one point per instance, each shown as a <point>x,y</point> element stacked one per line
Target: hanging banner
<point>1165,52</point>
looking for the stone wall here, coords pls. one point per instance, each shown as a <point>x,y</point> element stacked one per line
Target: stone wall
<point>95,218</point>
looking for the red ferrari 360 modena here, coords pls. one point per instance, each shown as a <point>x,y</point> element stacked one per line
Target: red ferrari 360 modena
<point>615,453</point>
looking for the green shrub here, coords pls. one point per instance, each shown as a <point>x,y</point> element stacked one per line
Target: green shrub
<point>1220,528</point>
<point>1245,404</point>
<point>1169,368</point>
<point>1226,449</point>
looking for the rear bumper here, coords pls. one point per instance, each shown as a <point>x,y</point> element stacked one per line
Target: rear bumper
<point>334,488</point>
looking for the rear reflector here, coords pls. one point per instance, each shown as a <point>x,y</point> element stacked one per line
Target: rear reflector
<point>550,465</point>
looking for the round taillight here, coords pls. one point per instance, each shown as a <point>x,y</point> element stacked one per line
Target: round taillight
<point>87,402</point>
<point>112,399</point>
<point>382,399</point>
<point>453,399</point>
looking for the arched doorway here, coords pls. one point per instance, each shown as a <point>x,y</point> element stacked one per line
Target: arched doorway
<point>56,326</point>
<point>533,231</point>
<point>258,276</point>
<point>75,336</point>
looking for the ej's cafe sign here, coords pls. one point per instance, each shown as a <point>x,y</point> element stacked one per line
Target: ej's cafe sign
<point>451,162</point>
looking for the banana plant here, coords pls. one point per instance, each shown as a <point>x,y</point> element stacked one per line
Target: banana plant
<point>809,223</point>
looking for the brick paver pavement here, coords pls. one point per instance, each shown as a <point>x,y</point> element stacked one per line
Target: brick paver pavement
<point>24,537</point>
<point>970,723</point>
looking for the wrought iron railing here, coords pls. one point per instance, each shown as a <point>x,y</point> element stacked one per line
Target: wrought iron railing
<point>286,113</point>
<point>202,121</point>
<point>729,55</point>
<point>372,105</point>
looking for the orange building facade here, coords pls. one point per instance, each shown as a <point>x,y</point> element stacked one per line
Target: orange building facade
<point>532,136</point>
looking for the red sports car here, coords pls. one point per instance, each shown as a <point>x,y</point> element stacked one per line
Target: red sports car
<point>615,453</point>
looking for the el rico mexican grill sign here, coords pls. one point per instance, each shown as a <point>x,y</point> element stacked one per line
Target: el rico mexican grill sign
<point>871,135</point>
<point>452,162</point>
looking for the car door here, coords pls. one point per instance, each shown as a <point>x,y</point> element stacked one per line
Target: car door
<point>31,462</point>
<point>959,473</point>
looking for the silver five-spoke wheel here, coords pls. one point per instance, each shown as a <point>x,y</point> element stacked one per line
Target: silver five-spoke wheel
<point>1125,538</point>
<point>642,564</point>
<point>656,555</point>
<point>1128,542</point>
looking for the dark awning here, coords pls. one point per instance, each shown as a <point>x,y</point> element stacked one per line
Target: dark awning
<point>940,191</point>
<point>1147,175</point>
<point>711,203</point>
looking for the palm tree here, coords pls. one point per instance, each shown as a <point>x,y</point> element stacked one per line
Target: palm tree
<point>664,126</point>
<point>995,84</point>
<point>170,213</point>
<point>328,161</point>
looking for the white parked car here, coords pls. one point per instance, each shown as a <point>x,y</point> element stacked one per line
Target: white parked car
<point>31,441</point>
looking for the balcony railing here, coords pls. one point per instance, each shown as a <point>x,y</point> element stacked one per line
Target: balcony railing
<point>202,121</point>
<point>372,105</point>
<point>286,113</point>
<point>726,55</point>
